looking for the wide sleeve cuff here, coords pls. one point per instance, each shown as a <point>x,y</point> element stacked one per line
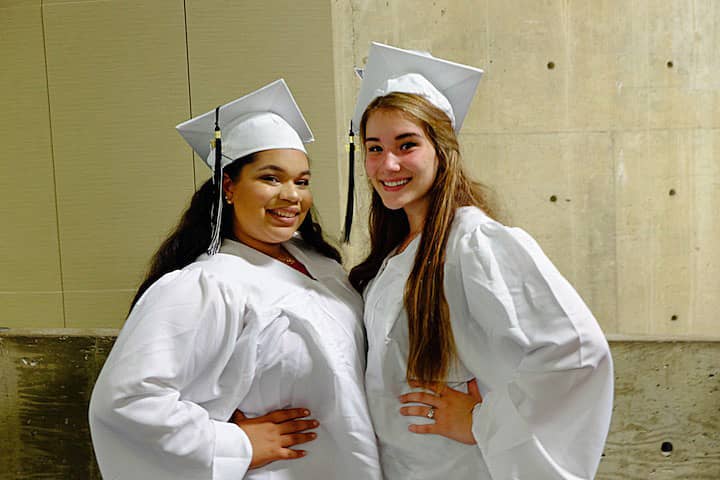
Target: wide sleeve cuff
<point>233,452</point>
<point>497,426</point>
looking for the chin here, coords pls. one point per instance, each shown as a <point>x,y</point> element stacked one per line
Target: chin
<point>393,204</point>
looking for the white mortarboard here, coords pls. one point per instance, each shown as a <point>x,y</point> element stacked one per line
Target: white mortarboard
<point>265,119</point>
<point>448,85</point>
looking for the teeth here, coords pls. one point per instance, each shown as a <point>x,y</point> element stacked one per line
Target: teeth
<point>395,183</point>
<point>284,214</point>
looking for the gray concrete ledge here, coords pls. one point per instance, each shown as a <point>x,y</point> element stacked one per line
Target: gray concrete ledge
<point>667,395</point>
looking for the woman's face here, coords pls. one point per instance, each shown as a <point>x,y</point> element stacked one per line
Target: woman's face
<point>400,161</point>
<point>270,198</point>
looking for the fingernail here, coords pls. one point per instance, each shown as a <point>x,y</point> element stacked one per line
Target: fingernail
<point>306,412</point>
<point>315,424</point>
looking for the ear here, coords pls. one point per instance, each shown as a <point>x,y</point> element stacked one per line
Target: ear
<point>228,185</point>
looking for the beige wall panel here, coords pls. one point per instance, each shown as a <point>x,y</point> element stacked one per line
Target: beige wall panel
<point>117,74</point>
<point>576,229</point>
<point>31,309</point>
<point>654,255</point>
<point>30,284</point>
<point>705,235</point>
<point>606,89</point>
<point>629,112</point>
<point>98,308</point>
<point>237,47</point>
<point>681,35</point>
<point>523,38</point>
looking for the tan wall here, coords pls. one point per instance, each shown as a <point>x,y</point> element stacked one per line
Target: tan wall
<point>629,112</point>
<point>92,173</point>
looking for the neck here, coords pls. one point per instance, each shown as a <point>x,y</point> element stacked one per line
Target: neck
<point>416,219</point>
<point>274,250</point>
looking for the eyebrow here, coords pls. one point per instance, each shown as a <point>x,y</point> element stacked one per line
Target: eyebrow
<point>275,168</point>
<point>399,137</point>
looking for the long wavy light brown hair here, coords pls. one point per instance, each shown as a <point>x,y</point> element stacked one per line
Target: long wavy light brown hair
<point>432,345</point>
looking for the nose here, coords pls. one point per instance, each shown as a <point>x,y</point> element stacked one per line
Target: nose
<point>390,162</point>
<point>289,192</point>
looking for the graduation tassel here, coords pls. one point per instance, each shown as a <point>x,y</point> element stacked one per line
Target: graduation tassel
<point>216,213</point>
<point>351,184</point>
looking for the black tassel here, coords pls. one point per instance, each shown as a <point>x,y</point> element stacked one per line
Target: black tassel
<point>351,185</point>
<point>216,214</point>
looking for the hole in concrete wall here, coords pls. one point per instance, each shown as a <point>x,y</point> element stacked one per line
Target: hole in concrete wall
<point>670,64</point>
<point>553,198</point>
<point>672,192</point>
<point>666,448</point>
<point>674,317</point>
<point>551,65</point>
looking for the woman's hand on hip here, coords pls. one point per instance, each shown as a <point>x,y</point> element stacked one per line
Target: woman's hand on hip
<point>451,410</point>
<point>273,434</point>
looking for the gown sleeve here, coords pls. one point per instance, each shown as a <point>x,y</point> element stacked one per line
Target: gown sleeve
<point>174,346</point>
<point>547,412</point>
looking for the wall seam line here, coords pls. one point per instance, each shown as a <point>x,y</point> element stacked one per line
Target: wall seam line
<point>54,174</point>
<point>187,65</point>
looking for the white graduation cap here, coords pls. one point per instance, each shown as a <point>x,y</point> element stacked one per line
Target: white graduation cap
<point>265,119</point>
<point>448,85</point>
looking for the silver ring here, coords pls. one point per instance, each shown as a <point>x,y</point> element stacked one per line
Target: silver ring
<point>431,413</point>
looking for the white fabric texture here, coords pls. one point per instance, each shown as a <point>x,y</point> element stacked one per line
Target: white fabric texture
<point>542,363</point>
<point>235,330</point>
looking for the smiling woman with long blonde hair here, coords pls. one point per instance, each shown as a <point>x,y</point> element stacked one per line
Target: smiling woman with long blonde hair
<point>483,361</point>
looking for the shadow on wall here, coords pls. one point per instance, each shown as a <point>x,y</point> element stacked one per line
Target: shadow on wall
<point>666,420</point>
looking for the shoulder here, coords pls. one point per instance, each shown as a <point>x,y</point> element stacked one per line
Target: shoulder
<point>475,235</point>
<point>471,231</point>
<point>199,284</point>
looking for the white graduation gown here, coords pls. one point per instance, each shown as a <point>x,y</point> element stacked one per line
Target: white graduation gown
<point>542,363</point>
<point>235,330</point>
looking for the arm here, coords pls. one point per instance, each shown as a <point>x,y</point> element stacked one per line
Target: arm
<point>174,347</point>
<point>549,418</point>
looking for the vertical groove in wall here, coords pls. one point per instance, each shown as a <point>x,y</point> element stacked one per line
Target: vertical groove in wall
<point>52,161</point>
<point>187,63</point>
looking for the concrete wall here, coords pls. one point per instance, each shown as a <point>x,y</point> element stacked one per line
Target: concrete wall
<point>597,124</point>
<point>665,392</point>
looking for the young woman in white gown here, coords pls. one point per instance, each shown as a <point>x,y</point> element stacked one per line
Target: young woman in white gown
<point>268,326</point>
<point>483,362</point>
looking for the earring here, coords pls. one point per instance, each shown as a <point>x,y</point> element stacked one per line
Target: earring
<point>228,200</point>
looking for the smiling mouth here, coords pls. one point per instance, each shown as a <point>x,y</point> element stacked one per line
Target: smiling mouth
<point>284,213</point>
<point>395,183</point>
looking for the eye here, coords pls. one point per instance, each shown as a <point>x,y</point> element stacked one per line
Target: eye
<point>374,149</point>
<point>270,179</point>
<point>303,182</point>
<point>408,145</point>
